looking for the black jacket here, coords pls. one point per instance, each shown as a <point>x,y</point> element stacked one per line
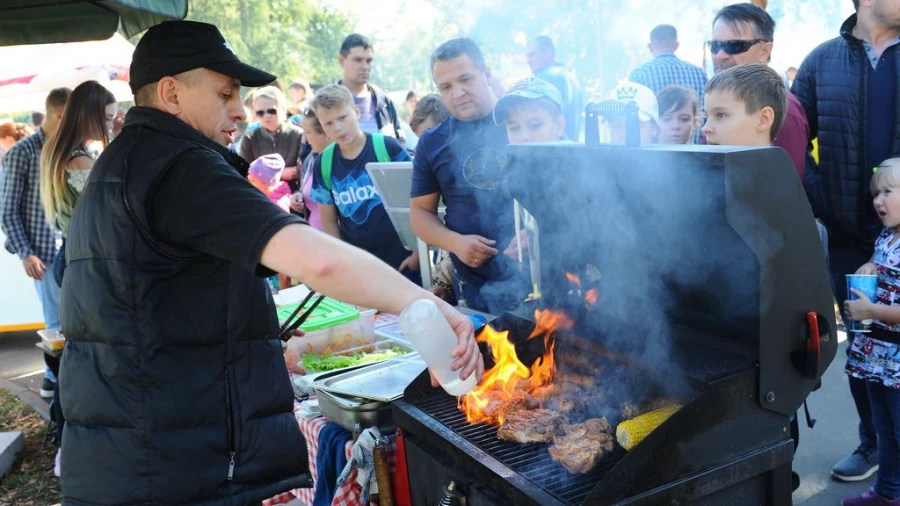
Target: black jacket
<point>831,84</point>
<point>385,112</point>
<point>171,370</point>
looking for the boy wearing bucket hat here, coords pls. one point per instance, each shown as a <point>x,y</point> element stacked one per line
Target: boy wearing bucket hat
<point>532,110</point>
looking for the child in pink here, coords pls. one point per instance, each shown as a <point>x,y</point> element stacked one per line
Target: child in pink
<point>265,175</point>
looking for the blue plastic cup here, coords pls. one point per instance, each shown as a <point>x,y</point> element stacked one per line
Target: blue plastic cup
<point>866,284</point>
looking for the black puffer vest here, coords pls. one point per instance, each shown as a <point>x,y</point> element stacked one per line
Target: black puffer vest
<point>173,386</point>
<point>832,85</point>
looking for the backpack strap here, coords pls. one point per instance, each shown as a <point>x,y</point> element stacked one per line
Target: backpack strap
<point>381,152</point>
<point>327,162</point>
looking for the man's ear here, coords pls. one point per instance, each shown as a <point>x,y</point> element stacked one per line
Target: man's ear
<point>766,52</point>
<point>766,119</point>
<point>487,74</point>
<point>356,110</point>
<point>341,60</point>
<point>167,95</point>
<point>561,127</point>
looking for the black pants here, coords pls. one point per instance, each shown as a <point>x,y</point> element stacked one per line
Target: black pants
<point>845,259</point>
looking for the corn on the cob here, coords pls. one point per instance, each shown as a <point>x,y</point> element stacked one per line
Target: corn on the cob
<point>631,432</point>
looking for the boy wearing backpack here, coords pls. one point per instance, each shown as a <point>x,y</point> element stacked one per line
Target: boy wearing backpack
<point>350,207</point>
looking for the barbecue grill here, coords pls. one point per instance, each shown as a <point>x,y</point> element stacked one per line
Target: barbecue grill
<point>712,288</point>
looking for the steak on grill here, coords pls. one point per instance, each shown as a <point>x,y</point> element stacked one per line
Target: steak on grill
<point>583,445</point>
<point>531,425</point>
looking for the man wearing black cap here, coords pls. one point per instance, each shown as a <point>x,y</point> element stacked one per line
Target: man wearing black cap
<point>175,387</point>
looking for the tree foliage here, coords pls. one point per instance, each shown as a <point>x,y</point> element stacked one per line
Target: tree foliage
<point>290,38</point>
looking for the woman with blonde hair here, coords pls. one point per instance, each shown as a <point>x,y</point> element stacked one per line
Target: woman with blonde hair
<point>66,160</point>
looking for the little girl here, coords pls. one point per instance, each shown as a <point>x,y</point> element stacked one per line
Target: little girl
<point>875,357</point>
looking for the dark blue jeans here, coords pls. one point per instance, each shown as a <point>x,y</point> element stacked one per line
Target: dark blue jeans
<point>885,403</point>
<point>843,260</point>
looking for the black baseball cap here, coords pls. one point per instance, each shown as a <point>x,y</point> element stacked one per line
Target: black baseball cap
<point>172,47</point>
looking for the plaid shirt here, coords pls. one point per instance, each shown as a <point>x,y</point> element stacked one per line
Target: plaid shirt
<point>23,220</point>
<point>666,69</point>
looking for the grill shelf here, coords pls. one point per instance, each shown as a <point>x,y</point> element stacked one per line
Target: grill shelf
<point>528,460</point>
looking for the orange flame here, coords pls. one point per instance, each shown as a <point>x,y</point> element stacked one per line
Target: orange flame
<point>573,278</point>
<point>509,383</point>
<point>592,296</point>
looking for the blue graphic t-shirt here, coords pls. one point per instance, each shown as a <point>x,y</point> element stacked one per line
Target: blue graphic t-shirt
<point>465,161</point>
<point>363,220</point>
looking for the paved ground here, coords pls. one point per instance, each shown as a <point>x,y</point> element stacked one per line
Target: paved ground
<point>833,438</point>
<point>20,361</point>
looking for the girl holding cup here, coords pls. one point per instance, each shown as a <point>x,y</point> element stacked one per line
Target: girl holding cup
<point>875,356</point>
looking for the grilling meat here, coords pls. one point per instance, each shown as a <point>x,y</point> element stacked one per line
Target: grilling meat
<point>531,426</point>
<point>583,445</point>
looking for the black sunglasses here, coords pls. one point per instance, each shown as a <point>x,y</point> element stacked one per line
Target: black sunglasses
<point>260,113</point>
<point>733,47</point>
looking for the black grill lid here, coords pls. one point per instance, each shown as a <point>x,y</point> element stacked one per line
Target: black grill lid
<point>720,239</point>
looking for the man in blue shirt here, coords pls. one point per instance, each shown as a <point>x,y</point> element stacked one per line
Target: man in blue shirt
<point>463,161</point>
<point>349,205</point>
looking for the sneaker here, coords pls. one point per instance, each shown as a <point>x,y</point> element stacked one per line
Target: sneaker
<point>870,498</point>
<point>47,388</point>
<point>858,466</point>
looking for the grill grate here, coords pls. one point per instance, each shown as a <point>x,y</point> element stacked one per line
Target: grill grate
<point>529,460</point>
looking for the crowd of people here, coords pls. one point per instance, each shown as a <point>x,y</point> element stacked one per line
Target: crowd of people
<point>174,201</point>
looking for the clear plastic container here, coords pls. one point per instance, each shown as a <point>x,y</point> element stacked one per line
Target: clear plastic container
<point>53,339</point>
<point>431,335</point>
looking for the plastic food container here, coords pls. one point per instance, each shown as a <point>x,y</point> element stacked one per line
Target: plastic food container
<point>53,339</point>
<point>357,333</point>
<point>329,313</point>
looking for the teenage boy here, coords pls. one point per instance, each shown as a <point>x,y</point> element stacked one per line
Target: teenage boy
<point>745,106</point>
<point>349,205</point>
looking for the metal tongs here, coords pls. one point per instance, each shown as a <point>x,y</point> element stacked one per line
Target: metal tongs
<point>288,328</point>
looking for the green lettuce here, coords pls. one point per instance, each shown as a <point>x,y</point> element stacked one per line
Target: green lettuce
<point>322,363</point>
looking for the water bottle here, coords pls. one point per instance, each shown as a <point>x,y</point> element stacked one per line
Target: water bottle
<point>434,339</point>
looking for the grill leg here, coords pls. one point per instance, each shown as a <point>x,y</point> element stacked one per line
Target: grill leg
<point>780,486</point>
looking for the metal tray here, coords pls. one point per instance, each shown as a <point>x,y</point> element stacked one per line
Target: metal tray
<point>383,381</point>
<point>356,414</point>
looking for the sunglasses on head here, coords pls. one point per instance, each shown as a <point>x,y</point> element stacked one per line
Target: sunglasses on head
<point>733,47</point>
<point>260,113</point>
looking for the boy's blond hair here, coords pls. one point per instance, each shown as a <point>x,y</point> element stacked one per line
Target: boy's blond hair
<point>333,96</point>
<point>757,86</point>
<point>887,174</point>
<point>273,94</point>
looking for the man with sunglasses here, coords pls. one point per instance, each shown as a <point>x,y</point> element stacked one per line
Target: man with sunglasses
<point>848,86</point>
<point>745,33</point>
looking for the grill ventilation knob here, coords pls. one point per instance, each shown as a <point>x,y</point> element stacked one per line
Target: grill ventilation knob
<point>451,496</point>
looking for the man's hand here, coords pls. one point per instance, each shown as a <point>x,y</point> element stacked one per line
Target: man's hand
<point>289,174</point>
<point>868,269</point>
<point>411,263</point>
<point>474,250</point>
<point>297,204</point>
<point>861,308</point>
<point>512,251</point>
<point>34,268</point>
<point>468,357</point>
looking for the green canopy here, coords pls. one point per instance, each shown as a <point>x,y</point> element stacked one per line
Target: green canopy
<point>49,21</point>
